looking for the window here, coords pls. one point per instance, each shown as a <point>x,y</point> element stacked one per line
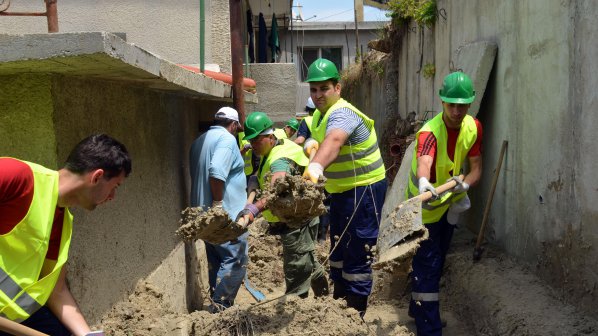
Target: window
<point>308,55</point>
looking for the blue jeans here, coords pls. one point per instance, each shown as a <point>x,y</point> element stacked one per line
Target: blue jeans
<point>46,322</point>
<point>428,263</point>
<point>226,270</point>
<point>350,262</point>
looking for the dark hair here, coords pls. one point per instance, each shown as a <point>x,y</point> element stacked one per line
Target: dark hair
<point>99,151</point>
<point>223,122</point>
<point>309,110</point>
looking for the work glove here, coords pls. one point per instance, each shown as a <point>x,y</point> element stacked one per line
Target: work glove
<point>216,204</point>
<point>461,186</point>
<point>252,184</point>
<point>247,215</point>
<point>310,144</point>
<point>425,185</point>
<point>313,172</point>
<point>455,210</point>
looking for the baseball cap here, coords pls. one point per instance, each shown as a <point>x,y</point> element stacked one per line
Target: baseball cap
<point>227,113</point>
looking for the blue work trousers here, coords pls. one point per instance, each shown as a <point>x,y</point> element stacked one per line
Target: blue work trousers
<point>227,265</point>
<point>359,211</point>
<point>428,263</point>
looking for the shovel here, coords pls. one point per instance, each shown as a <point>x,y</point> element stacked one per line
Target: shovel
<point>403,228</point>
<point>18,329</point>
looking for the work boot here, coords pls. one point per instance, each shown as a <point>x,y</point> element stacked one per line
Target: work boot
<point>358,302</point>
<point>340,292</point>
<point>320,286</point>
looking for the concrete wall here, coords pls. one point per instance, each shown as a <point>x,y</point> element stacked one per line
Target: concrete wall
<point>170,31</point>
<point>540,97</point>
<point>127,239</point>
<point>277,89</point>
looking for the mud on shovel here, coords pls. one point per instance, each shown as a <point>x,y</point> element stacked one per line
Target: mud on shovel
<point>404,225</point>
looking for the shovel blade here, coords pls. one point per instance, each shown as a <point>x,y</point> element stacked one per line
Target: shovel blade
<point>402,223</point>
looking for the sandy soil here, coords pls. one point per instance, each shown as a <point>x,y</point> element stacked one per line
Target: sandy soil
<point>494,296</point>
<point>214,225</point>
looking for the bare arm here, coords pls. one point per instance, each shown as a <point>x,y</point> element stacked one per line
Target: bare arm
<point>300,140</point>
<point>475,171</point>
<point>63,305</point>
<point>330,147</point>
<point>217,188</point>
<point>424,166</point>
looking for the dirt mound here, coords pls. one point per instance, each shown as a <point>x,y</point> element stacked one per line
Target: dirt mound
<point>293,200</point>
<point>265,259</point>
<point>214,225</point>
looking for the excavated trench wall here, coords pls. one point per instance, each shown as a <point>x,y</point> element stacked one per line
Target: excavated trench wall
<point>541,98</point>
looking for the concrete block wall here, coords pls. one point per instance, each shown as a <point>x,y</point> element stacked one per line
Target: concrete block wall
<point>277,90</point>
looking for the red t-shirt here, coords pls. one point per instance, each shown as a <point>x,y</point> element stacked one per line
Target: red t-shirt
<point>16,194</point>
<point>426,145</point>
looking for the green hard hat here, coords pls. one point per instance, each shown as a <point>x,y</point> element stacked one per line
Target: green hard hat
<point>293,123</point>
<point>457,88</point>
<point>321,70</point>
<point>256,123</point>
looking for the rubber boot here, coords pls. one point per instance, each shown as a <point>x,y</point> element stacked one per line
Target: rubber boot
<point>358,302</point>
<point>340,292</point>
<point>320,286</point>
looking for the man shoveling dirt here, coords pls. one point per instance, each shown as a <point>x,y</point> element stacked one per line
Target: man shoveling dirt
<point>281,159</point>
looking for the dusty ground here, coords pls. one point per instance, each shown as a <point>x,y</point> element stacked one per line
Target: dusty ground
<point>494,296</point>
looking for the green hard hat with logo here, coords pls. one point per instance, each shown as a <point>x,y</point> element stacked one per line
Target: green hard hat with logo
<point>293,123</point>
<point>322,70</point>
<point>255,124</point>
<point>457,88</point>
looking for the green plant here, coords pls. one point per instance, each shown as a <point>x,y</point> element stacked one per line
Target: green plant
<point>429,70</point>
<point>424,12</point>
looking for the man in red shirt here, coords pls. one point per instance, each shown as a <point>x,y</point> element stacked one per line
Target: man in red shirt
<point>443,145</point>
<point>36,226</point>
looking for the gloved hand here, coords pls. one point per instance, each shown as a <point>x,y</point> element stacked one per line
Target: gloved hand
<point>313,172</point>
<point>455,210</point>
<point>252,184</point>
<point>217,204</point>
<point>425,185</point>
<point>310,144</point>
<point>247,215</point>
<point>461,186</point>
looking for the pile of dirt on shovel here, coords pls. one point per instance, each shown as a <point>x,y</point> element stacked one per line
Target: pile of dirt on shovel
<point>294,200</point>
<point>214,225</point>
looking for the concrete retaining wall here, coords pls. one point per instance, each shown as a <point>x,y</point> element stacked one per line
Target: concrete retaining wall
<point>277,89</point>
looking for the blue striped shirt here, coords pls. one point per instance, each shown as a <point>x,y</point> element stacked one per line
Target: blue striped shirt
<point>348,121</point>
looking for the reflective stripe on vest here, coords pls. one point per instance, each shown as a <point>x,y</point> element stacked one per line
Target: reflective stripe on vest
<point>247,157</point>
<point>280,134</point>
<point>433,211</point>
<point>356,165</point>
<point>288,149</point>
<point>24,248</point>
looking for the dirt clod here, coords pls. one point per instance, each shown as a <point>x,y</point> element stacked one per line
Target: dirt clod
<point>214,225</point>
<point>294,200</point>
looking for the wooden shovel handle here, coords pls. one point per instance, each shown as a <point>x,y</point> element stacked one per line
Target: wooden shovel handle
<point>251,197</point>
<point>312,154</point>
<point>17,329</point>
<point>439,190</point>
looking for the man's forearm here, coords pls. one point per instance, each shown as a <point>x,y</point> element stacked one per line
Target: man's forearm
<point>64,306</point>
<point>330,147</point>
<point>217,189</point>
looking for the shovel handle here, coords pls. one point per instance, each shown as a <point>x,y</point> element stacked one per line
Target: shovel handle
<point>251,197</point>
<point>312,154</point>
<point>439,190</point>
<point>18,329</point>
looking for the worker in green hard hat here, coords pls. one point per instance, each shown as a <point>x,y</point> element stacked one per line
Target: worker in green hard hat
<point>347,154</point>
<point>443,145</point>
<point>280,157</point>
<point>288,130</point>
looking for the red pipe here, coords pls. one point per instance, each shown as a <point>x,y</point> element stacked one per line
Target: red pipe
<point>248,83</point>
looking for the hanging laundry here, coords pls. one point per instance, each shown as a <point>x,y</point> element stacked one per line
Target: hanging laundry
<point>262,47</point>
<point>250,47</point>
<point>273,41</point>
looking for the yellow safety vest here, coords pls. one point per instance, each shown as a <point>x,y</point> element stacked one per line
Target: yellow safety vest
<point>247,156</point>
<point>280,134</point>
<point>433,211</point>
<point>289,150</point>
<point>24,249</point>
<point>356,165</point>
<point>308,121</point>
